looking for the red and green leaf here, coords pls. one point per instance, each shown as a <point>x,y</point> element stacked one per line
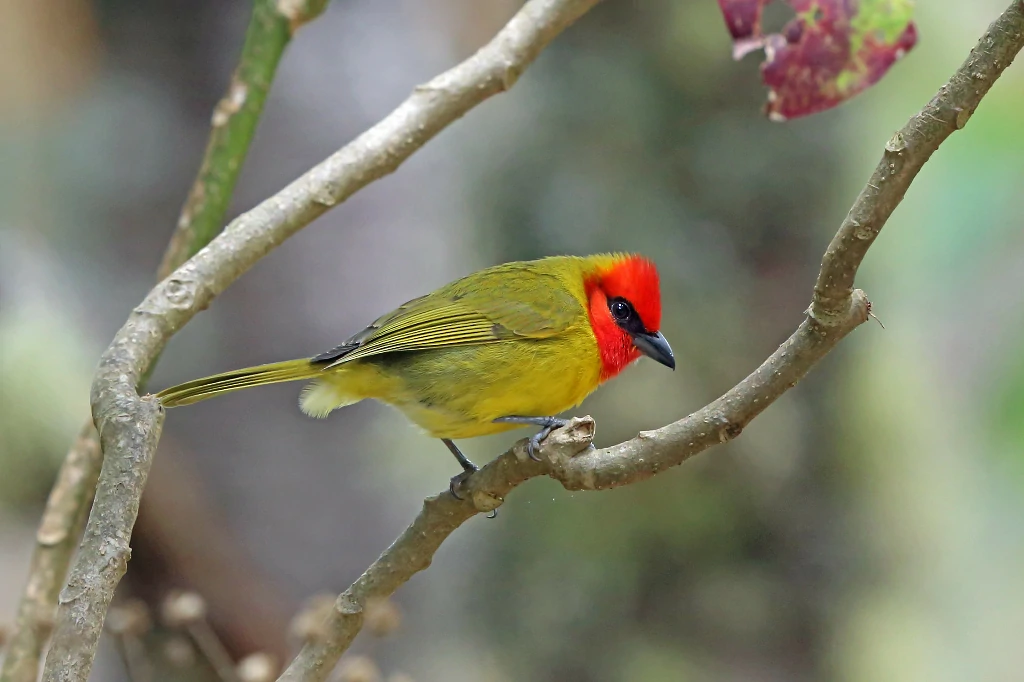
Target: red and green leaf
<point>830,51</point>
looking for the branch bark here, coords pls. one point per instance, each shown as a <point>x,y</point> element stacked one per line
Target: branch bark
<point>271,26</point>
<point>59,530</point>
<point>836,309</point>
<point>129,426</point>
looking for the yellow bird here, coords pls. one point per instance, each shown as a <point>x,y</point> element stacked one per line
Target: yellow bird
<point>508,346</point>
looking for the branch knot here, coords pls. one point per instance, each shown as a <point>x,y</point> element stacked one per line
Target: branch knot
<point>563,444</point>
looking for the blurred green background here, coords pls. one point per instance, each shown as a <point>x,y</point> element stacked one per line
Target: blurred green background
<point>866,527</point>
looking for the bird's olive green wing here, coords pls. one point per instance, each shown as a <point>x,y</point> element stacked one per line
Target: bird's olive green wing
<point>489,306</point>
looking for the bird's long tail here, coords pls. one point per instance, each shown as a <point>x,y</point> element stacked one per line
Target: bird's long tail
<point>208,387</point>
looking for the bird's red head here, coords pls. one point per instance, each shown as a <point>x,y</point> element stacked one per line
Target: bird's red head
<point>624,298</point>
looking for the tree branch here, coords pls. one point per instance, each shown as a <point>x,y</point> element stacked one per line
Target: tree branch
<point>905,153</point>
<point>234,120</point>
<point>56,539</point>
<point>129,426</point>
<point>835,311</point>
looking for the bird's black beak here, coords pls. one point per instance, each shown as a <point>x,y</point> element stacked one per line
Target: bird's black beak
<point>655,346</point>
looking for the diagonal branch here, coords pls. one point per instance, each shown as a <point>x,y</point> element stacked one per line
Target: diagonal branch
<point>836,310</point>
<point>129,426</point>
<point>270,29</point>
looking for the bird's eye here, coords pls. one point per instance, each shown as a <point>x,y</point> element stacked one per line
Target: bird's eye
<point>620,309</point>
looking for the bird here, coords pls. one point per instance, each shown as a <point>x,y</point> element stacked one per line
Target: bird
<point>508,346</point>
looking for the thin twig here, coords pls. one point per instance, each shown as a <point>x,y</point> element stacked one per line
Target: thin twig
<point>186,611</point>
<point>213,649</point>
<point>127,624</point>
<point>835,311</point>
<point>234,121</point>
<point>133,655</point>
<point>129,426</point>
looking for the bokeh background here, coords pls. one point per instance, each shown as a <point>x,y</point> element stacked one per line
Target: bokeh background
<point>867,527</point>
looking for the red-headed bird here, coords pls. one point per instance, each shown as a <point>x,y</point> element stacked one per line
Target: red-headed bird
<point>505,347</point>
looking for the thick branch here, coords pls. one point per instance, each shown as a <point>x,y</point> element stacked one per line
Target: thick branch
<point>836,310</point>
<point>129,426</point>
<point>233,124</point>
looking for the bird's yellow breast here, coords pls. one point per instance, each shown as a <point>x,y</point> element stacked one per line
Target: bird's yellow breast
<point>458,392</point>
<point>515,339</point>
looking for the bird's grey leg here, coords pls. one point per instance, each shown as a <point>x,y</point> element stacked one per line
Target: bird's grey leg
<point>468,469</point>
<point>467,466</point>
<point>546,424</point>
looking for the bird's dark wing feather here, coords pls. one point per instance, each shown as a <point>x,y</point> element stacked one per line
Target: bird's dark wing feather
<point>508,301</point>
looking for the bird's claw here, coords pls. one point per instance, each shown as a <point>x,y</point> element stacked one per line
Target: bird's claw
<point>547,424</point>
<point>468,469</point>
<point>533,444</point>
<point>457,481</point>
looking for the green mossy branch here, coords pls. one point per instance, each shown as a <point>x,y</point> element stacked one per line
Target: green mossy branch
<point>233,124</point>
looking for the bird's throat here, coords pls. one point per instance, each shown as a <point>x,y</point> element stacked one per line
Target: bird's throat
<point>615,345</point>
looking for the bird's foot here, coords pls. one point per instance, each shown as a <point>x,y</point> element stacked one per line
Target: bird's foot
<point>546,424</point>
<point>468,469</point>
<point>458,480</point>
